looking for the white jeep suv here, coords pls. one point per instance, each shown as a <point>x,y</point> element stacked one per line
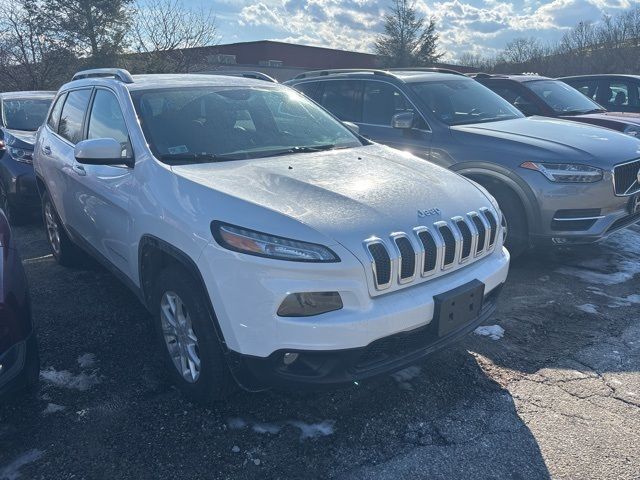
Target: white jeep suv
<point>271,243</point>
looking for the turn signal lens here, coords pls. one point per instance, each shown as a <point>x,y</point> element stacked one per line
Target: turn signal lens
<point>309,304</point>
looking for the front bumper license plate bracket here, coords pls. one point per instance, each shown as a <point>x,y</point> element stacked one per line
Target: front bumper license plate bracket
<point>459,306</point>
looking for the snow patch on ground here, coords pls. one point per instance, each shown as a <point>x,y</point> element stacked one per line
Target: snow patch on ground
<point>307,430</point>
<point>88,360</point>
<point>617,302</point>
<point>494,332</point>
<point>588,308</point>
<point>12,471</point>
<point>53,408</point>
<point>618,267</point>
<point>403,377</point>
<point>66,379</point>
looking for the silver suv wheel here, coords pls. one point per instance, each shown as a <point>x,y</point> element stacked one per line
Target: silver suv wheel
<point>53,231</point>
<point>179,337</point>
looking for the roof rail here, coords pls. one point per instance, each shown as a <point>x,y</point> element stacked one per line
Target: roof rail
<point>483,75</point>
<point>245,74</point>
<point>427,69</point>
<point>322,73</point>
<point>118,73</point>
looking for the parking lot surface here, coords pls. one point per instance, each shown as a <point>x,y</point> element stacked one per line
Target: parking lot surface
<point>553,393</point>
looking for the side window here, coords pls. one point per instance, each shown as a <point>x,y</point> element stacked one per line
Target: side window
<point>54,118</point>
<point>341,97</point>
<point>618,94</point>
<point>310,89</point>
<point>70,126</point>
<point>586,87</point>
<point>106,121</point>
<point>381,102</point>
<point>516,98</point>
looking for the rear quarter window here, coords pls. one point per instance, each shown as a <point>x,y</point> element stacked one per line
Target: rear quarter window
<point>72,118</point>
<point>54,116</point>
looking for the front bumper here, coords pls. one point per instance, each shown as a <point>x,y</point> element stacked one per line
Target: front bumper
<point>317,369</point>
<point>19,181</point>
<point>578,213</point>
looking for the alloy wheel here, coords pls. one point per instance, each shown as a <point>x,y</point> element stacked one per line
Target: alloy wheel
<point>179,337</point>
<point>53,230</point>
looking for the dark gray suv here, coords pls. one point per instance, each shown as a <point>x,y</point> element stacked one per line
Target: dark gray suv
<point>557,182</point>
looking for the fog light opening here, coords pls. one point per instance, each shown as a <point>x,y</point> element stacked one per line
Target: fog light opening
<point>289,358</point>
<point>559,241</point>
<point>308,304</point>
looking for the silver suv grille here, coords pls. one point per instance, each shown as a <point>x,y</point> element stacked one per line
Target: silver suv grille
<point>426,251</point>
<point>625,178</point>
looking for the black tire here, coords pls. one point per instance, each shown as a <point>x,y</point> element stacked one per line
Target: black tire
<point>66,253</point>
<point>517,241</point>
<point>14,215</point>
<point>214,381</point>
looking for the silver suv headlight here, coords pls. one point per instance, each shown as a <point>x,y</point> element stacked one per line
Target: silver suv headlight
<point>566,172</point>
<point>261,244</point>
<point>20,154</point>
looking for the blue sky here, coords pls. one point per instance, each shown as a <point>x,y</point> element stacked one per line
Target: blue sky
<point>476,26</point>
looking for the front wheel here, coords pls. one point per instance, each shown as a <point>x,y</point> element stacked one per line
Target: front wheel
<point>191,350</point>
<point>514,222</point>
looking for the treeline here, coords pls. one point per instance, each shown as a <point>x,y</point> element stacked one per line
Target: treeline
<point>43,41</point>
<point>609,46</point>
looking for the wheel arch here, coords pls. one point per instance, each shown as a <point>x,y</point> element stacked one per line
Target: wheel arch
<point>154,254</point>
<point>493,176</point>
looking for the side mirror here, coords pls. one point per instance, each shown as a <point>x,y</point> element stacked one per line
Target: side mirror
<point>353,127</point>
<point>403,121</point>
<point>100,151</point>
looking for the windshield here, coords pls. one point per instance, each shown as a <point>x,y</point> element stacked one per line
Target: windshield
<point>562,98</point>
<point>230,123</point>
<point>25,113</point>
<point>463,101</point>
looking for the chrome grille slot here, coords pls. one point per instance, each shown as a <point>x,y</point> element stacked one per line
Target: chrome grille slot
<point>467,238</point>
<point>407,261</point>
<point>482,232</point>
<point>493,225</point>
<point>449,245</point>
<point>625,178</point>
<point>381,263</point>
<point>430,259</point>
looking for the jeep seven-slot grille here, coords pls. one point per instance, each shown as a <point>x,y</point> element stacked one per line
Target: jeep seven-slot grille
<point>382,262</point>
<point>407,258</point>
<point>482,232</point>
<point>437,248</point>
<point>626,178</point>
<point>467,238</point>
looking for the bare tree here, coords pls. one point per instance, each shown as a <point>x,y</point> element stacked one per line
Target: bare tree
<point>29,57</point>
<point>407,41</point>
<point>164,33</point>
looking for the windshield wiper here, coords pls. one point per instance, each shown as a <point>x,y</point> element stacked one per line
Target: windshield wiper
<point>197,157</point>
<point>303,149</point>
<point>582,112</point>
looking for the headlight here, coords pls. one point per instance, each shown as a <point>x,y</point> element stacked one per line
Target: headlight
<point>566,172</point>
<point>251,242</point>
<point>21,154</point>
<point>633,130</point>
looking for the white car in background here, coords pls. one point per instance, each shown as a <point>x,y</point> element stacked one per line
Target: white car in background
<point>272,244</point>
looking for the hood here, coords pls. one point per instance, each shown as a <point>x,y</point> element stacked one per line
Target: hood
<point>346,195</point>
<point>20,138</point>
<point>551,139</point>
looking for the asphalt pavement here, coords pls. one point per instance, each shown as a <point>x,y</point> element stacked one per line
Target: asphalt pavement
<point>553,393</point>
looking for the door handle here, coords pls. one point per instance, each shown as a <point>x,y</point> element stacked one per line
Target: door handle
<point>79,169</point>
<point>46,150</point>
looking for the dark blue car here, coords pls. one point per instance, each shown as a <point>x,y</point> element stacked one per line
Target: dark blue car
<point>22,115</point>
